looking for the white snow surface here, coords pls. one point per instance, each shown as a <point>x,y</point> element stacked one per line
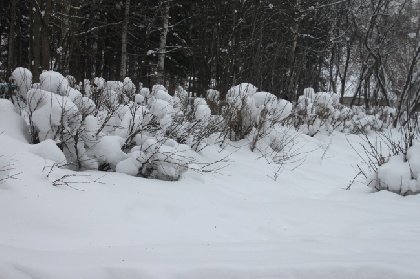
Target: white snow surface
<point>237,223</point>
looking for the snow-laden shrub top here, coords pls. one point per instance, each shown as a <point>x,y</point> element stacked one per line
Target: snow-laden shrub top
<point>23,80</point>
<point>53,82</point>
<point>51,111</point>
<point>128,88</point>
<point>239,93</point>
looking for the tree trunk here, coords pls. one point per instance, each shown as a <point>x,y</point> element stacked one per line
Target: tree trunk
<point>34,41</point>
<point>99,58</point>
<point>124,41</point>
<point>19,58</point>
<point>344,76</point>
<point>45,50</point>
<point>11,57</point>
<point>292,74</point>
<point>333,58</point>
<point>64,42</point>
<point>162,45</point>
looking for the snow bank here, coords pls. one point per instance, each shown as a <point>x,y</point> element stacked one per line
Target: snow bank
<point>239,224</point>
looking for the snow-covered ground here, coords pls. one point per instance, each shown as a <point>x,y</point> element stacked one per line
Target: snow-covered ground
<point>235,223</point>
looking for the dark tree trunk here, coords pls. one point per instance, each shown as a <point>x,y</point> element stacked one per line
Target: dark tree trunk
<point>11,58</point>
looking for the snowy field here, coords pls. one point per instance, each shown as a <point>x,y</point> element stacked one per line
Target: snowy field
<point>236,223</point>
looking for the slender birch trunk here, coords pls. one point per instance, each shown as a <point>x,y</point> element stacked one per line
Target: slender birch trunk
<point>123,69</point>
<point>296,30</point>
<point>162,45</point>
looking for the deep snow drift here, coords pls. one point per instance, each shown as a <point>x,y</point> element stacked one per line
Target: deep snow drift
<point>236,223</point>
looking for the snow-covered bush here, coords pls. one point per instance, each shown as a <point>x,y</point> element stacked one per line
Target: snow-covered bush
<point>108,95</point>
<point>52,113</point>
<point>322,111</point>
<point>316,111</point>
<point>281,147</point>
<point>58,118</point>
<point>391,163</point>
<point>145,92</point>
<point>154,157</point>
<point>155,130</point>
<point>134,121</point>
<point>252,114</point>
<point>267,113</point>
<point>238,111</point>
<point>213,100</point>
<point>128,89</point>
<point>374,119</point>
<point>181,100</point>
<point>399,173</point>
<point>108,150</point>
<point>193,122</point>
<point>71,81</point>
<point>109,127</point>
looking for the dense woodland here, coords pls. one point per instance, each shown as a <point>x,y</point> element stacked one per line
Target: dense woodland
<point>280,46</point>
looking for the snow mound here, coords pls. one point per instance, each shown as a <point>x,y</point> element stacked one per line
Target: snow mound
<point>395,174</point>
<point>11,123</point>
<point>49,150</point>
